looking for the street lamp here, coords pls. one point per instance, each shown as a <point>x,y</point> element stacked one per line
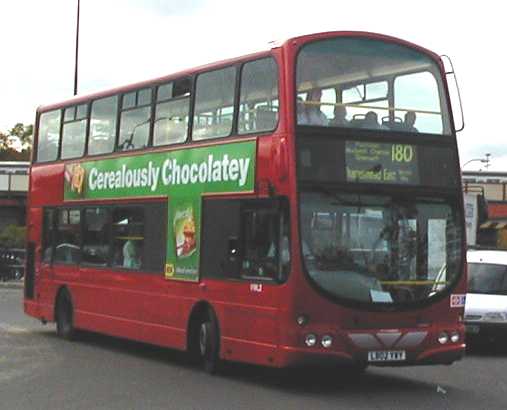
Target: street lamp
<point>482,160</point>
<point>487,161</point>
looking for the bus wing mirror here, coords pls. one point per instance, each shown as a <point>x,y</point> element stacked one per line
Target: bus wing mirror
<point>454,93</point>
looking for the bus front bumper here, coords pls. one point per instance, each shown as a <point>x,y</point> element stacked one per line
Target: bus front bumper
<point>295,356</point>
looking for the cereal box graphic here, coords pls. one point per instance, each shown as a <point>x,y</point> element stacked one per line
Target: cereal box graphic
<point>184,232</point>
<point>74,177</point>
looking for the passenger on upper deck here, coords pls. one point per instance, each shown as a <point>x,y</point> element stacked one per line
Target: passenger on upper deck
<point>312,115</point>
<point>410,121</point>
<point>340,114</point>
<point>300,107</point>
<point>371,121</point>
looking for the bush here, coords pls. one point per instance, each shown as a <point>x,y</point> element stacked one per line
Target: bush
<point>13,236</point>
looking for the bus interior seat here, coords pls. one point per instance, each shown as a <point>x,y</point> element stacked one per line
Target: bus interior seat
<point>395,125</point>
<point>357,120</point>
<point>176,130</point>
<point>220,129</point>
<point>265,118</point>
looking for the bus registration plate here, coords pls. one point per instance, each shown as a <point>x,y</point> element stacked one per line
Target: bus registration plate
<point>387,356</point>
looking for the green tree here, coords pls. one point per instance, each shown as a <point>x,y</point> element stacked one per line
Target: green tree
<point>23,132</point>
<point>13,236</point>
<point>3,141</point>
<point>10,154</point>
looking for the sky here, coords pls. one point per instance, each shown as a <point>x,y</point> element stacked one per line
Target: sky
<point>124,41</point>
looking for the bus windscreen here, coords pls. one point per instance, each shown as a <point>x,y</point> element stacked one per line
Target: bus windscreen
<point>379,249</point>
<point>361,83</point>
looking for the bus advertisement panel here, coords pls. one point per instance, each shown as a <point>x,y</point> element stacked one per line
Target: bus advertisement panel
<point>184,175</point>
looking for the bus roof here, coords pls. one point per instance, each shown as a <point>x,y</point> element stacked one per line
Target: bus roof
<point>299,40</point>
<point>366,34</point>
<point>133,86</point>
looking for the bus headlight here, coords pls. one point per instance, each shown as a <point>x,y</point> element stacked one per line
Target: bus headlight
<point>326,341</point>
<point>310,340</point>
<point>443,338</point>
<point>454,337</point>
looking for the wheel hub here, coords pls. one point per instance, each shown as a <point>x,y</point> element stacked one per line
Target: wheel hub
<point>203,338</point>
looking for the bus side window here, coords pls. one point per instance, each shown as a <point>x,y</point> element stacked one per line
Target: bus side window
<point>258,96</point>
<point>96,242</point>
<point>135,120</point>
<point>220,228</point>
<point>128,237</point>
<point>48,136</point>
<point>171,113</point>
<point>68,236</point>
<point>48,234</point>
<point>248,237</point>
<point>103,125</point>
<point>214,104</point>
<point>74,131</point>
<point>265,241</point>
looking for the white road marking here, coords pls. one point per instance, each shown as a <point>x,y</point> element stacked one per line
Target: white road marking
<point>6,327</point>
<point>441,390</point>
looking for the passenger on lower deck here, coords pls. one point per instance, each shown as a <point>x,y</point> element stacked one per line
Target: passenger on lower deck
<point>131,255</point>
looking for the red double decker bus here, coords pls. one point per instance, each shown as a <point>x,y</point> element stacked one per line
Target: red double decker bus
<point>297,205</point>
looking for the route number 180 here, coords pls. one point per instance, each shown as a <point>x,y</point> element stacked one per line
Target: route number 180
<point>402,153</point>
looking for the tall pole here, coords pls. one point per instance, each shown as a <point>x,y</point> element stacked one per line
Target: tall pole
<point>77,48</point>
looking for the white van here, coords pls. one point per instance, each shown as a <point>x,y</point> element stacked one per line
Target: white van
<point>486,301</point>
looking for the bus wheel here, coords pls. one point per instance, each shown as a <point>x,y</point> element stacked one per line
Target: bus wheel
<point>209,344</point>
<point>65,317</point>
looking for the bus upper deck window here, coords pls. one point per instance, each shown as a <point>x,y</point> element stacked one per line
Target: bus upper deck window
<point>258,96</point>
<point>74,131</point>
<point>135,120</point>
<point>371,84</point>
<point>172,113</point>
<point>49,136</point>
<point>103,125</point>
<point>214,104</point>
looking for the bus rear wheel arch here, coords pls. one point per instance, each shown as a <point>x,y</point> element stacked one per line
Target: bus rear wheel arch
<point>64,315</point>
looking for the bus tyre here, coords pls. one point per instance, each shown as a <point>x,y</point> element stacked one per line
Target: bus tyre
<point>65,317</point>
<point>209,344</point>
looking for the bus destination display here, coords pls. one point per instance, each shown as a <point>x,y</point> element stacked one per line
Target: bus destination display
<point>385,163</point>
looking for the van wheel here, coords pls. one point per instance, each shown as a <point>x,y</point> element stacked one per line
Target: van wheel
<point>209,344</point>
<point>65,317</point>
